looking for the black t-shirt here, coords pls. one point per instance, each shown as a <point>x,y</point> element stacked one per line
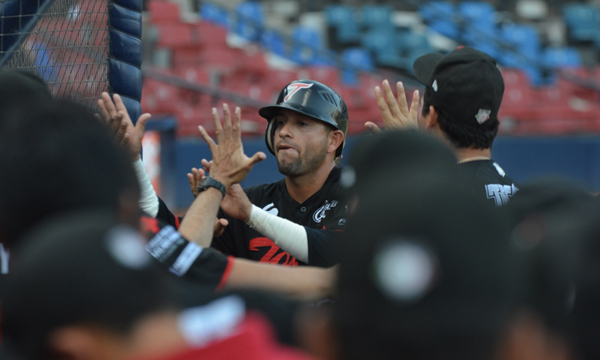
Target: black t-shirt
<point>489,179</point>
<point>323,216</point>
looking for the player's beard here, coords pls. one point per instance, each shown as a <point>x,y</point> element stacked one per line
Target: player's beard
<point>312,159</point>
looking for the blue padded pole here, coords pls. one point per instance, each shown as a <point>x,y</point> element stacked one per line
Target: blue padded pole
<point>125,53</point>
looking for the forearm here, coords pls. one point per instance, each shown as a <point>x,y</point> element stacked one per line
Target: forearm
<point>289,236</point>
<point>198,223</point>
<point>307,283</point>
<point>148,198</point>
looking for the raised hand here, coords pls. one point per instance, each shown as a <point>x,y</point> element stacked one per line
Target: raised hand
<point>395,112</point>
<point>229,163</point>
<point>121,127</point>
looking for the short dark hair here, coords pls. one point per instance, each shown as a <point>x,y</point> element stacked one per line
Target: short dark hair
<point>459,133</point>
<point>57,158</point>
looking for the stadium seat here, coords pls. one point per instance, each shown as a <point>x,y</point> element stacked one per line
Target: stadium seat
<point>522,50</point>
<point>377,16</point>
<point>273,41</point>
<point>327,75</point>
<point>223,60</point>
<point>193,73</point>
<point>253,62</point>
<point>163,12</point>
<point>478,25</point>
<point>561,57</point>
<point>342,25</point>
<point>174,35</point>
<point>582,20</point>
<point>206,33</point>
<point>307,43</point>
<point>249,20</point>
<point>355,59</point>
<point>440,17</point>
<point>377,39</point>
<point>215,14</point>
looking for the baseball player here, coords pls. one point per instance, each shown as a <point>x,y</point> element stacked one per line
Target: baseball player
<point>299,219</point>
<point>463,93</point>
<point>296,220</point>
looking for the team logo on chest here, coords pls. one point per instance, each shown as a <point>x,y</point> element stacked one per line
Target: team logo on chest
<point>320,213</point>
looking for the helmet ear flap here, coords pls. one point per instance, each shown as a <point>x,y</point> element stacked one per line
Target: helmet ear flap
<point>269,135</point>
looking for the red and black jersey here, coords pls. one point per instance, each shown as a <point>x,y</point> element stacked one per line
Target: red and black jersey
<point>489,179</point>
<point>183,258</point>
<point>323,216</point>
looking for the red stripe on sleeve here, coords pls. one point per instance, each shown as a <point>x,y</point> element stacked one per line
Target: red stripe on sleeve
<point>226,274</point>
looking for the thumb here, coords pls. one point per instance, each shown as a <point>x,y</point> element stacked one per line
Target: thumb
<point>258,157</point>
<point>372,127</point>
<point>142,121</point>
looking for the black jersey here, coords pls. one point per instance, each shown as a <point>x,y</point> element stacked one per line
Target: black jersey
<point>323,216</point>
<point>489,179</point>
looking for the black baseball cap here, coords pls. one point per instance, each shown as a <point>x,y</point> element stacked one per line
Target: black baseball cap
<point>79,269</point>
<point>404,151</point>
<point>465,84</point>
<point>425,261</point>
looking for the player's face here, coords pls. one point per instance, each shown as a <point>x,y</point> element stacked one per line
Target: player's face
<point>300,143</point>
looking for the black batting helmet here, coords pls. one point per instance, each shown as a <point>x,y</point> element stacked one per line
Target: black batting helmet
<point>310,98</point>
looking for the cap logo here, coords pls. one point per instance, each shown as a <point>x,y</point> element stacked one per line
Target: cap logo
<point>483,115</point>
<point>293,88</point>
<point>405,270</point>
<point>434,85</point>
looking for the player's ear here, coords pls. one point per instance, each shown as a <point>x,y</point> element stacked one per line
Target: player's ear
<point>336,138</point>
<point>432,119</point>
<point>315,333</point>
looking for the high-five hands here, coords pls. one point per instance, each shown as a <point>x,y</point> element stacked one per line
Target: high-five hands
<point>229,164</point>
<point>121,127</point>
<point>395,113</point>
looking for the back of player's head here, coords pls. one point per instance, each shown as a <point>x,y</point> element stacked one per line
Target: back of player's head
<point>465,87</point>
<point>21,90</point>
<point>82,269</point>
<point>57,158</point>
<point>378,156</point>
<point>426,272</point>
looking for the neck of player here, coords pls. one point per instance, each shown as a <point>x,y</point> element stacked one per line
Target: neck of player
<point>304,186</point>
<point>468,154</point>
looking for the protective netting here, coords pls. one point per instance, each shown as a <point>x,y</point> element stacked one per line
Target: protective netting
<point>67,47</point>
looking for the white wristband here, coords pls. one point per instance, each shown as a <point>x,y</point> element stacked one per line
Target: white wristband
<point>290,237</point>
<point>148,198</point>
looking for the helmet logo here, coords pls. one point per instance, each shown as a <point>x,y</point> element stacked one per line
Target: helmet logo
<point>293,88</point>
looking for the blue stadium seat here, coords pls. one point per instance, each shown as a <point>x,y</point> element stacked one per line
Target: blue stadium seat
<point>215,14</point>
<point>355,59</point>
<point>378,39</point>
<point>343,19</point>
<point>337,15</point>
<point>409,40</point>
<point>348,33</point>
<point>440,17</point>
<point>377,16</point>
<point>249,20</point>
<point>583,21</point>
<point>522,50</point>
<point>561,57</point>
<point>273,42</point>
<point>307,43</point>
<point>479,25</point>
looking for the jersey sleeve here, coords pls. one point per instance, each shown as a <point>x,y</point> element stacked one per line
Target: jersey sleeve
<point>186,259</point>
<point>323,243</point>
<point>166,216</point>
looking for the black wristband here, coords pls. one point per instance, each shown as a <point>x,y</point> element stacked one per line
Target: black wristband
<point>210,182</point>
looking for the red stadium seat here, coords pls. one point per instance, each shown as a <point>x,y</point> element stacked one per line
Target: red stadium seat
<point>327,75</point>
<point>174,35</point>
<point>208,34</point>
<point>163,11</point>
<point>159,98</point>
